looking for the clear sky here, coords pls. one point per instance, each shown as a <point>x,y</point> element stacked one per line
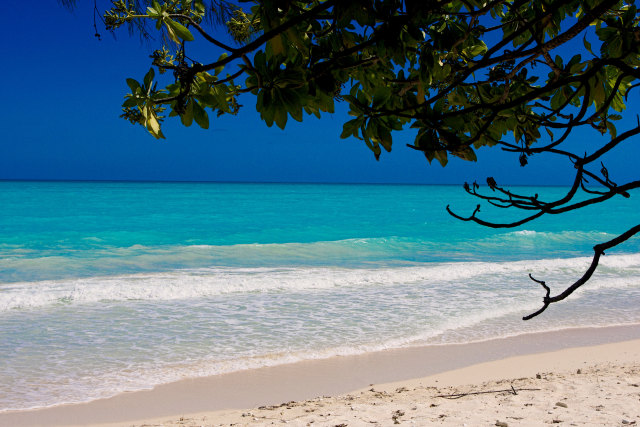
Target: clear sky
<point>59,118</point>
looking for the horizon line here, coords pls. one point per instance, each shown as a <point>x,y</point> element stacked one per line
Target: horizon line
<point>155,181</point>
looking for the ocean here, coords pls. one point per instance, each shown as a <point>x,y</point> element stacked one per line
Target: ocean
<point>107,287</point>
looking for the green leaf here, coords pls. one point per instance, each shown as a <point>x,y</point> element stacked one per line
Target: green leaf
<point>380,96</point>
<point>172,34</point>
<point>587,45</point>
<point>217,70</point>
<point>151,122</point>
<point>280,117</point>
<point>148,79</point>
<point>384,136</point>
<point>178,30</point>
<point>615,47</point>
<point>133,85</point>
<point>183,31</point>
<point>441,156</point>
<point>559,61</point>
<point>351,128</point>
<point>280,110</point>
<point>617,103</point>
<point>598,93</point>
<point>612,130</point>
<point>466,153</point>
<point>277,47</point>
<point>366,135</point>
<point>200,115</point>
<point>130,102</point>
<point>476,50</point>
<point>430,155</point>
<point>187,116</point>
<point>558,99</point>
<point>291,100</point>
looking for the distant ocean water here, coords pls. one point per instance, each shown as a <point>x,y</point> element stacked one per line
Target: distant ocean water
<point>112,287</point>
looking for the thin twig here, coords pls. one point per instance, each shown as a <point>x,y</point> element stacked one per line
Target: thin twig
<point>511,390</point>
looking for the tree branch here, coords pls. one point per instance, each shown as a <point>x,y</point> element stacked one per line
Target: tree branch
<point>598,250</point>
<point>249,47</point>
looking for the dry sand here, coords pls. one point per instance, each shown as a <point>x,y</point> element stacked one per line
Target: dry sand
<point>577,387</point>
<point>601,395</point>
<point>576,377</point>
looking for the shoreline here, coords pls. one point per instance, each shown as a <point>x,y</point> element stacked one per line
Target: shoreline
<point>334,376</point>
<point>575,386</point>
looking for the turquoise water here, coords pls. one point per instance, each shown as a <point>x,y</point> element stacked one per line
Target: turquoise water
<point>109,287</point>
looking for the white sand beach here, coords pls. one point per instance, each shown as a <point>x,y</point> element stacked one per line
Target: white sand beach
<point>587,376</point>
<point>605,393</point>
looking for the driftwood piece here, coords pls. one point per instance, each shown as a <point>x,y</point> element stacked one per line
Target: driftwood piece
<point>511,390</point>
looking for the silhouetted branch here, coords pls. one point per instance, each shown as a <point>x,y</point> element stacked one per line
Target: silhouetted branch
<point>598,250</point>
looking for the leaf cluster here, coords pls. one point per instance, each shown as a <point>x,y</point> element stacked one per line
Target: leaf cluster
<point>464,74</point>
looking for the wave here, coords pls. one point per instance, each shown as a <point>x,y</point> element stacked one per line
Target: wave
<point>16,262</point>
<point>561,235</point>
<point>20,264</point>
<point>614,270</point>
<point>558,236</point>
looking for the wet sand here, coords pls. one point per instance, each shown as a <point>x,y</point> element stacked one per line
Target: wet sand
<point>607,357</point>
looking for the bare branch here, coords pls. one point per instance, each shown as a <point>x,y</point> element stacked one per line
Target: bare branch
<point>598,252</point>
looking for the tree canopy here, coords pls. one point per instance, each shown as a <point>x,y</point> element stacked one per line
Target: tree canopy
<point>520,75</point>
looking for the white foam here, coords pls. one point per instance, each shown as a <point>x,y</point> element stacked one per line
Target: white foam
<point>591,237</point>
<point>383,308</point>
<point>524,233</point>
<point>207,282</point>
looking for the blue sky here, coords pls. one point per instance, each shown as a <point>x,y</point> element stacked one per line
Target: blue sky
<point>62,94</point>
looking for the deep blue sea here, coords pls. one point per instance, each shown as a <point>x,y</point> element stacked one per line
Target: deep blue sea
<point>112,287</point>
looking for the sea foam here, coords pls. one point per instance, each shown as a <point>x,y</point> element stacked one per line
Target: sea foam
<point>205,282</point>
